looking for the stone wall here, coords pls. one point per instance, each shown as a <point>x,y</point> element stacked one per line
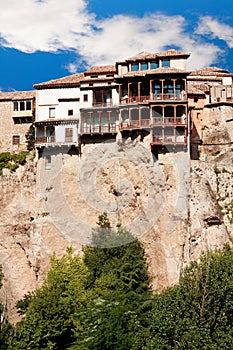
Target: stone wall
<point>8,129</point>
<point>170,203</point>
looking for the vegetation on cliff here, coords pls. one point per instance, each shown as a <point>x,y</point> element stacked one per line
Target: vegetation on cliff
<point>11,161</point>
<point>103,301</point>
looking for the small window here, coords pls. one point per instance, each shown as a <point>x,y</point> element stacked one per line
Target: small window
<point>15,139</point>
<point>154,65</point>
<point>144,66</point>
<point>22,106</point>
<point>15,106</point>
<point>28,105</point>
<point>109,75</point>
<point>134,67</point>
<point>91,84</point>
<point>195,99</point>
<point>94,76</point>
<point>166,62</point>
<point>70,112</point>
<point>85,97</point>
<point>52,112</point>
<point>68,135</point>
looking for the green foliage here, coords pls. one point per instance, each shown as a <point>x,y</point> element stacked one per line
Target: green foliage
<point>198,313</point>
<point>6,329</point>
<point>30,138</point>
<point>11,161</point>
<point>23,304</point>
<point>118,286</point>
<point>103,301</point>
<point>49,321</point>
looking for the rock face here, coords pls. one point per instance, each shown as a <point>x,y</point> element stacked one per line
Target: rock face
<point>175,206</point>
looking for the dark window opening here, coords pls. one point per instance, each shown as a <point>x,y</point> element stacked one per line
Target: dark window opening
<point>15,139</point>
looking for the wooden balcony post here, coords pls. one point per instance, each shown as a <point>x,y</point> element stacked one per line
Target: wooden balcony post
<point>162,81</point>
<point>119,91</point>
<point>139,91</point>
<point>129,91</point>
<point>151,91</point>
<point>174,88</point>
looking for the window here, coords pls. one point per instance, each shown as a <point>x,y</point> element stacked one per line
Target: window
<point>154,65</point>
<point>134,67</point>
<point>166,62</point>
<point>94,76</point>
<point>195,99</point>
<point>28,105</point>
<point>22,105</point>
<point>68,135</point>
<point>15,106</point>
<point>15,139</point>
<point>85,97</point>
<point>144,66</point>
<point>70,112</point>
<point>52,112</point>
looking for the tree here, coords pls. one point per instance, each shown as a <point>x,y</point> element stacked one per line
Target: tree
<point>197,313</point>
<point>6,329</point>
<point>118,290</point>
<point>49,322</point>
<point>30,138</point>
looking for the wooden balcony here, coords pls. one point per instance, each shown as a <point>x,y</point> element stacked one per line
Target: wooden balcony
<point>98,129</point>
<point>182,121</point>
<point>135,124</point>
<point>45,139</point>
<point>152,98</point>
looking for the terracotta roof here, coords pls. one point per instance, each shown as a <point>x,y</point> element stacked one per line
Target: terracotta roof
<point>195,90</point>
<point>70,80</point>
<point>211,71</point>
<point>161,70</point>
<point>101,70</point>
<point>148,56</point>
<point>17,95</point>
<point>172,52</point>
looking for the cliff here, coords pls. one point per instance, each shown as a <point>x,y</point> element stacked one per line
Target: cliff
<point>175,206</point>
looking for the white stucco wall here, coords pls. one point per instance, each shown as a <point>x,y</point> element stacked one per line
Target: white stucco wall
<point>49,98</point>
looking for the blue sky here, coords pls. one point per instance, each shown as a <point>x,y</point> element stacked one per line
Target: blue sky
<point>47,39</point>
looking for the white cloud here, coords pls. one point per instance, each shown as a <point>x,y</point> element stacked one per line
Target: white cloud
<point>53,25</point>
<point>211,26</point>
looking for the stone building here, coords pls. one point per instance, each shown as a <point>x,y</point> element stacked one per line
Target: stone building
<point>58,111</point>
<point>210,94</point>
<point>145,95</point>
<point>16,115</point>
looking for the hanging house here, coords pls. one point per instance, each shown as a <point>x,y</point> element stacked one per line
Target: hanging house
<point>57,111</point>
<point>146,93</point>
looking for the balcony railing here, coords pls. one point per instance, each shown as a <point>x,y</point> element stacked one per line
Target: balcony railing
<point>135,124</point>
<point>152,97</point>
<point>45,139</point>
<point>169,120</point>
<point>98,129</point>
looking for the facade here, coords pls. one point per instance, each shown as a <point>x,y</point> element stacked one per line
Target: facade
<point>58,111</point>
<point>148,95</point>
<point>16,115</point>
<point>144,95</point>
<point>210,91</point>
